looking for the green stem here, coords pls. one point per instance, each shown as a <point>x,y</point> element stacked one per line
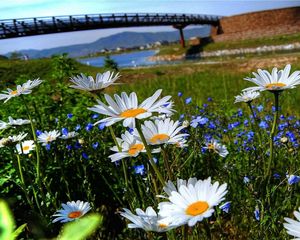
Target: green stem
<point>120,150</point>
<point>138,127</point>
<point>166,161</point>
<point>272,134</point>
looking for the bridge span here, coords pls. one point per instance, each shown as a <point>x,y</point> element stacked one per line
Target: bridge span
<point>13,28</point>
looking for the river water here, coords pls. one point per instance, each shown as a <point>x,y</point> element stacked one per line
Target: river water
<point>124,60</point>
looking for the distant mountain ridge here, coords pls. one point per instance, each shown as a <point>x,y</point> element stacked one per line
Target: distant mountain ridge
<point>124,39</point>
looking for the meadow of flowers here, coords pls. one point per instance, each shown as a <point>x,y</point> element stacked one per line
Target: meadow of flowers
<point>119,166</point>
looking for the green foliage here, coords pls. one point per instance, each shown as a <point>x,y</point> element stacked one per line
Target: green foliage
<point>6,222</point>
<point>109,63</point>
<point>63,67</point>
<point>82,228</point>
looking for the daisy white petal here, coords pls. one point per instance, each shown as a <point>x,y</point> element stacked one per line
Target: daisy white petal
<point>276,81</point>
<point>25,147</point>
<point>216,147</point>
<point>47,137</point>
<point>293,226</point>
<point>191,202</point>
<point>246,96</point>
<point>125,108</point>
<point>102,81</point>
<point>71,211</point>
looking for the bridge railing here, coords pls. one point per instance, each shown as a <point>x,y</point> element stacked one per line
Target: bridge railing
<point>34,26</point>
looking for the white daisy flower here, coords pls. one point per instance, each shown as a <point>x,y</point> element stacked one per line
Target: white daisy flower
<point>71,211</point>
<point>102,81</point>
<point>192,202</point>
<point>163,131</point>
<point>130,147</point>
<point>246,96</point>
<point>275,81</point>
<point>292,226</point>
<point>12,139</point>
<point>217,148</point>
<point>25,147</point>
<point>47,137</point>
<point>69,135</point>
<point>170,187</point>
<point>19,122</point>
<point>4,125</point>
<point>148,220</point>
<point>167,106</point>
<point>126,108</point>
<point>25,88</point>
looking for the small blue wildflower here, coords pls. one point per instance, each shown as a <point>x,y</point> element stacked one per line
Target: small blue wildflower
<point>155,159</point>
<point>69,147</point>
<point>203,150</point>
<point>64,131</point>
<point>181,117</point>
<point>130,130</point>
<point>211,125</point>
<point>268,118</point>
<point>246,122</point>
<point>84,155</point>
<point>94,116</point>
<point>139,169</point>
<point>56,120</point>
<point>209,99</point>
<point>240,112</point>
<point>236,142</point>
<point>276,176</point>
<point>293,179</point>
<point>205,105</point>
<point>180,94</point>
<point>199,121</point>
<point>95,145</point>
<point>188,100</point>
<point>263,125</point>
<point>246,180</point>
<point>48,147</point>
<point>89,127</point>
<point>77,145</point>
<point>69,115</point>
<point>260,108</point>
<point>38,132</point>
<point>102,125</point>
<point>225,207</point>
<point>257,214</point>
<point>77,127</point>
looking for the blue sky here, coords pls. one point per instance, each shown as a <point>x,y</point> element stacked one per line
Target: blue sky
<point>37,8</point>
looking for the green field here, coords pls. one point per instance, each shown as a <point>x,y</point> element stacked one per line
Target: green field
<point>35,185</point>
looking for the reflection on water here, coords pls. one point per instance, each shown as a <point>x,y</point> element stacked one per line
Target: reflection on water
<point>132,59</point>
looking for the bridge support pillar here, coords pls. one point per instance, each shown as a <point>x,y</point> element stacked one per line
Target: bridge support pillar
<point>180,27</point>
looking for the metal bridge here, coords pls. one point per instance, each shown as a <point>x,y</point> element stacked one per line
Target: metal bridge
<point>13,28</point>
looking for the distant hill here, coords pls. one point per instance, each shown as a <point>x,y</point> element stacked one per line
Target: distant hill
<point>124,39</point>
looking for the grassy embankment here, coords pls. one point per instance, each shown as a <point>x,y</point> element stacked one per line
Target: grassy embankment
<point>249,43</point>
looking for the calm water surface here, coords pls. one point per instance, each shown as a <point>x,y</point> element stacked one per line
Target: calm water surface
<point>132,59</point>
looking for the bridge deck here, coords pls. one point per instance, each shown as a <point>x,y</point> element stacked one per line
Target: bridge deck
<point>13,28</point>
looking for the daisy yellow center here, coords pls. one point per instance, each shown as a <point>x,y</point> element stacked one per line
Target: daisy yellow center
<point>25,148</point>
<point>132,112</point>
<point>275,85</point>
<point>197,208</point>
<point>211,146</point>
<point>162,225</point>
<point>135,148</point>
<point>159,137</point>
<point>75,214</point>
<point>49,139</point>
<point>15,92</point>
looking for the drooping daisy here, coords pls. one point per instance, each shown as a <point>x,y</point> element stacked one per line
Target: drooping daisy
<point>25,147</point>
<point>47,137</point>
<point>246,96</point>
<point>12,139</point>
<point>216,147</point>
<point>102,81</point>
<point>71,211</point>
<point>4,125</point>
<point>25,88</point>
<point>292,226</point>
<point>69,135</point>
<point>192,202</point>
<point>126,108</point>
<point>275,81</point>
<point>130,147</point>
<point>19,122</point>
<point>148,220</point>
<point>163,131</point>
